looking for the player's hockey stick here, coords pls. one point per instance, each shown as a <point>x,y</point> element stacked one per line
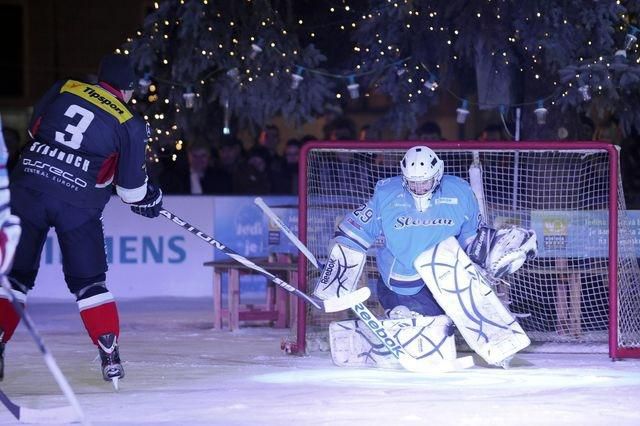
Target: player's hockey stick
<point>330,305</point>
<point>397,350</point>
<point>68,414</point>
<point>60,415</point>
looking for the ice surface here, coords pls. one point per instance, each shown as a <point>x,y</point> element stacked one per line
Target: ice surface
<point>180,371</point>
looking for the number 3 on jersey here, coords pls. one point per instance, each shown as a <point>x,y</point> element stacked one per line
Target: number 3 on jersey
<point>76,131</point>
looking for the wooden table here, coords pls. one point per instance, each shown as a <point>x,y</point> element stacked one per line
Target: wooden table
<point>279,307</point>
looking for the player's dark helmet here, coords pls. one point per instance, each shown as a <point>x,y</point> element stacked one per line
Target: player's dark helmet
<point>117,71</point>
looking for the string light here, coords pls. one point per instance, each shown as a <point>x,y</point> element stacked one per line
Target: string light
<point>620,55</point>
<point>297,77</point>
<point>353,87</point>
<point>462,112</point>
<point>402,69</point>
<point>431,84</point>
<point>226,129</point>
<point>584,91</point>
<point>234,74</point>
<point>256,49</point>
<point>189,98</point>
<point>144,84</point>
<point>631,37</point>
<point>541,113</point>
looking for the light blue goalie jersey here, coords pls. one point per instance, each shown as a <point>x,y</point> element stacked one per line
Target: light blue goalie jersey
<point>405,232</point>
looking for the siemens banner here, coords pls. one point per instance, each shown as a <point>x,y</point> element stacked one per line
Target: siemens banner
<point>155,257</point>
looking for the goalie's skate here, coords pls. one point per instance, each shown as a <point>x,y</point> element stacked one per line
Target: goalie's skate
<point>110,358</point>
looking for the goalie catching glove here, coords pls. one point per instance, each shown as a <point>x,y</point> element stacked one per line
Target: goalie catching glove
<point>502,251</point>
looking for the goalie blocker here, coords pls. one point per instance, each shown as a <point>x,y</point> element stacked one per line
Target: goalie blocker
<point>341,273</point>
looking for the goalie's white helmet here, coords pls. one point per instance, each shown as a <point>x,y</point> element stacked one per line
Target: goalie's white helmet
<point>421,173</point>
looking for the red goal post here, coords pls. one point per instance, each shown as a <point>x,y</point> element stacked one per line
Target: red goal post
<point>569,192</point>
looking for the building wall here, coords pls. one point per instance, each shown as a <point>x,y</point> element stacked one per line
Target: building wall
<point>61,38</point>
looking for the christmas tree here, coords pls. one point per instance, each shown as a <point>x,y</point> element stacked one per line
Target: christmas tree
<point>572,58</point>
<point>556,62</point>
<point>208,65</point>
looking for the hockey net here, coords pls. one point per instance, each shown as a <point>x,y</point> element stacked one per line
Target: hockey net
<point>570,193</point>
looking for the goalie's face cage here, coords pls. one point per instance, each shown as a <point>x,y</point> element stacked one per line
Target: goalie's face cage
<point>420,187</point>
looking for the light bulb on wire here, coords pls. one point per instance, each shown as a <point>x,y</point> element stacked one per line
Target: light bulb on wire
<point>144,84</point>
<point>234,74</point>
<point>620,56</point>
<point>631,37</point>
<point>585,92</point>
<point>541,113</point>
<point>462,112</point>
<point>431,84</point>
<point>226,129</point>
<point>189,98</point>
<point>256,49</point>
<point>353,87</point>
<point>296,78</point>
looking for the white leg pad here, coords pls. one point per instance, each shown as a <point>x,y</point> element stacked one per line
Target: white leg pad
<point>485,324</point>
<point>353,344</point>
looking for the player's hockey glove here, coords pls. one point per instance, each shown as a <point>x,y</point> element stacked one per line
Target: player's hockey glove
<point>151,204</point>
<point>9,237</point>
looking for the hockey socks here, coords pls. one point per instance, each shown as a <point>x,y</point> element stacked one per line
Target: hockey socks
<point>9,318</point>
<point>99,315</point>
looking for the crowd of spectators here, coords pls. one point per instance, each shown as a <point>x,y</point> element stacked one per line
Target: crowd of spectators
<point>269,166</point>
<point>228,168</point>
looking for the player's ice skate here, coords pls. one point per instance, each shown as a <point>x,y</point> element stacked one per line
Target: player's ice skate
<point>110,359</point>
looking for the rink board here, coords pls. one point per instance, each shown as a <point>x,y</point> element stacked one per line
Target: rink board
<point>154,257</point>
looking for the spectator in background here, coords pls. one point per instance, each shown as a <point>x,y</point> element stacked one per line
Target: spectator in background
<point>630,164</point>
<point>12,140</point>
<point>345,166</point>
<point>276,164</point>
<point>270,137</point>
<point>428,131</point>
<point>231,155</point>
<point>252,174</point>
<point>199,177</point>
<point>367,133</point>
<point>493,132</point>
<point>307,138</point>
<point>331,112</point>
<point>292,156</point>
<point>342,129</point>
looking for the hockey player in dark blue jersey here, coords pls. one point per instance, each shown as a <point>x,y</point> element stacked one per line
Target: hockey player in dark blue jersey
<point>84,140</point>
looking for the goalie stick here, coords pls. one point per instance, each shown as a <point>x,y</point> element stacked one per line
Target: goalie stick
<point>500,286</point>
<point>330,305</point>
<point>68,414</point>
<point>369,319</point>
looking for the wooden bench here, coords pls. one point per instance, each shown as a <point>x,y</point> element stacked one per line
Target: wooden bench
<point>278,307</point>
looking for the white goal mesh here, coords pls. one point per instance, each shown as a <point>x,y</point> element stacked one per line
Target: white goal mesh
<point>562,190</point>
